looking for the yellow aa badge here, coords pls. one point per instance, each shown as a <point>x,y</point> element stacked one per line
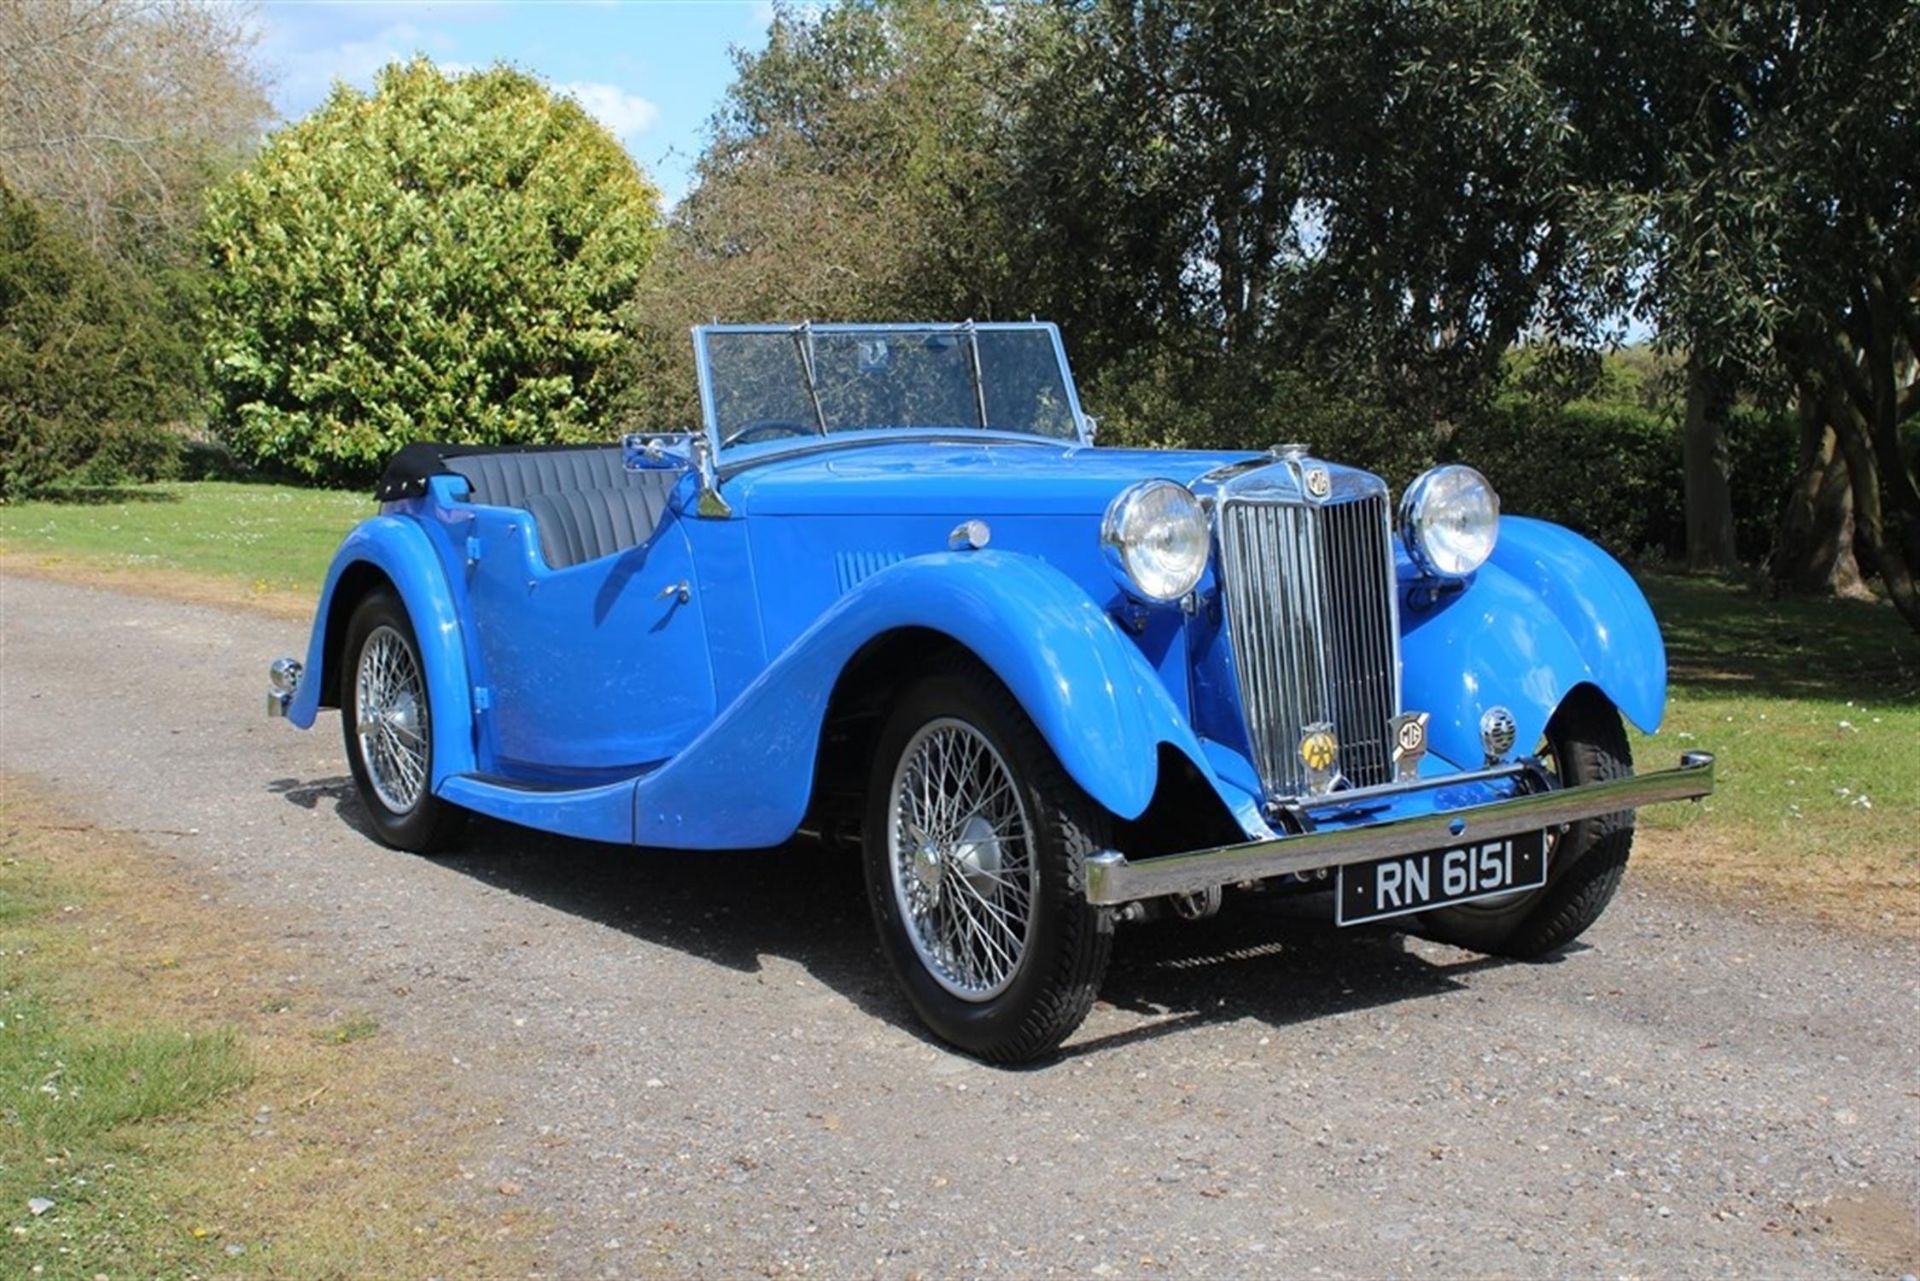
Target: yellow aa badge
<point>1320,753</point>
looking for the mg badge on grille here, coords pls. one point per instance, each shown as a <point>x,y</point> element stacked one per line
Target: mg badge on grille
<point>1320,753</point>
<point>1319,483</point>
<point>1409,744</point>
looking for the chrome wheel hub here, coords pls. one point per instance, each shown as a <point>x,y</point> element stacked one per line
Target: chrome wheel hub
<point>976,852</point>
<point>928,868</point>
<point>960,851</point>
<point>390,702</point>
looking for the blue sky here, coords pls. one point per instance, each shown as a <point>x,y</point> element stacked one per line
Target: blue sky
<point>651,70</point>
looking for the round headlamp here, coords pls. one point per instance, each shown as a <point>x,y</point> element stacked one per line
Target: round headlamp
<point>1154,536</point>
<point>1450,518</point>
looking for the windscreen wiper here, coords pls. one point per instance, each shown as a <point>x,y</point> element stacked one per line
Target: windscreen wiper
<point>979,384</point>
<point>803,342</point>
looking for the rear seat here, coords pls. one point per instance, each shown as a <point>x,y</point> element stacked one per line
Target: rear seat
<point>584,502</point>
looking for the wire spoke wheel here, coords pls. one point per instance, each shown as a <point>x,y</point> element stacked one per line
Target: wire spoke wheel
<point>960,848</point>
<point>390,704</point>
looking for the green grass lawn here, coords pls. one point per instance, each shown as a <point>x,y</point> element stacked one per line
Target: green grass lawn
<point>1813,711</point>
<point>94,1112</point>
<point>173,1103</point>
<point>265,538</point>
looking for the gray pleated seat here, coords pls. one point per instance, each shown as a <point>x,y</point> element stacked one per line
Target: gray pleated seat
<point>579,525</point>
<point>584,502</point>
<point>509,478</point>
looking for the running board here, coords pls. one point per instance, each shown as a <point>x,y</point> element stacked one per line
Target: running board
<point>603,812</point>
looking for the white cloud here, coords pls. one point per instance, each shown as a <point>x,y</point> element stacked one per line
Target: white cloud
<point>626,115</point>
<point>304,69</point>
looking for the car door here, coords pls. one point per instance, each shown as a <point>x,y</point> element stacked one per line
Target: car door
<point>594,669</point>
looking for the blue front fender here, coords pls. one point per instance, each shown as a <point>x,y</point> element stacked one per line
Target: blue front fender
<point>400,550</point>
<point>1548,612</point>
<point>746,780</point>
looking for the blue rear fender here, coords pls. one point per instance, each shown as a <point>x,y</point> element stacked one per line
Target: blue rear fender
<point>746,781</point>
<point>1549,612</point>
<point>398,549</point>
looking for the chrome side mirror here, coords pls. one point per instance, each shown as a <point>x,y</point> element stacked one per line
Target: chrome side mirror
<point>678,451</point>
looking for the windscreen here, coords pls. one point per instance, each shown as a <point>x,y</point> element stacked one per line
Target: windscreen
<point>784,384</point>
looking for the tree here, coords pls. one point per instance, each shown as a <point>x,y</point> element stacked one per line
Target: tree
<point>1335,221</point>
<point>446,258</point>
<point>855,170</point>
<point>114,117</point>
<point>119,111</point>
<point>87,369</point>
<point>1328,220</point>
<point>1773,183</point>
<point>1813,551</point>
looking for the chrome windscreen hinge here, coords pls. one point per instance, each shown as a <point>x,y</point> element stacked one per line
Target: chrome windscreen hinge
<point>482,698</point>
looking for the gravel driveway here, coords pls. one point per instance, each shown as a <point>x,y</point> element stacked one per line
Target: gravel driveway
<point>700,1066</point>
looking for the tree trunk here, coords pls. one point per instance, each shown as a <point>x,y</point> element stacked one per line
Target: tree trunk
<point>1896,569</point>
<point>1709,503</point>
<point>1813,549</point>
<point>1867,414</point>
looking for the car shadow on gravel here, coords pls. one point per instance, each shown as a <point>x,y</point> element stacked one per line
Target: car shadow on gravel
<point>1275,958</point>
<point>1278,959</point>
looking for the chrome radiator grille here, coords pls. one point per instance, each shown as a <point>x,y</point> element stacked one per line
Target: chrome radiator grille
<point>1308,590</point>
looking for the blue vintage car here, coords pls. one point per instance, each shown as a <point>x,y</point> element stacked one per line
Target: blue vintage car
<point>894,596</point>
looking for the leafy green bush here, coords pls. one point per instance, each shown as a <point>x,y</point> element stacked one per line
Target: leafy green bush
<point>445,259</point>
<point>1166,402</point>
<point>89,370</point>
<point>1608,468</point>
<point>1609,471</point>
<point>1612,470</point>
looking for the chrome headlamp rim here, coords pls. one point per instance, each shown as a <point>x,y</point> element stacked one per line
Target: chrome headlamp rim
<point>1115,546</point>
<point>1415,519</point>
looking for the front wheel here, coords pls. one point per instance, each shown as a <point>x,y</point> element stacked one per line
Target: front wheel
<point>975,844</point>
<point>1585,743</point>
<point>386,719</point>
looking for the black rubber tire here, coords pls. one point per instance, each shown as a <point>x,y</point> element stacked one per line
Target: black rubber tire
<point>1588,744</point>
<point>431,824</point>
<point>1059,975</point>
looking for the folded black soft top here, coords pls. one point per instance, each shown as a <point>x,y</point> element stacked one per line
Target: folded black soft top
<point>409,470</point>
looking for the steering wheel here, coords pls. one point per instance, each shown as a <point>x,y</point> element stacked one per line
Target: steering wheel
<point>759,429</point>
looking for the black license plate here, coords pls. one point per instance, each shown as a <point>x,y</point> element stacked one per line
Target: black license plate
<point>1458,874</point>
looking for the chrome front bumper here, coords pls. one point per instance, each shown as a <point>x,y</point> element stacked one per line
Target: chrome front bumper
<point>1112,879</point>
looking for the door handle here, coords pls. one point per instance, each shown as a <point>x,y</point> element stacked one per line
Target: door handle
<point>681,591</point>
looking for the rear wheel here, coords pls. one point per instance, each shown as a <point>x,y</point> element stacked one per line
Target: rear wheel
<point>1585,743</point>
<point>975,844</point>
<point>386,719</point>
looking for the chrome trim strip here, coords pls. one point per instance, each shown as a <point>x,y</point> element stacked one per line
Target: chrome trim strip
<point>1112,879</point>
